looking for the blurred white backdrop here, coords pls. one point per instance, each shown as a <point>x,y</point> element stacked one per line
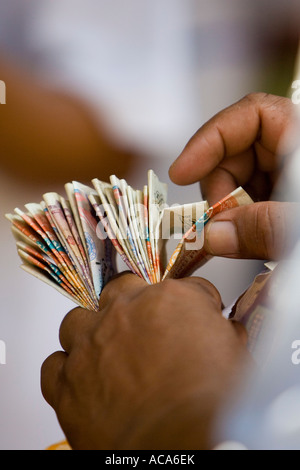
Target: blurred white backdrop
<point>159,69</point>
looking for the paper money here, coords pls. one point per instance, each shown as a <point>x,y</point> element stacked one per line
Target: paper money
<point>190,254</point>
<point>70,241</point>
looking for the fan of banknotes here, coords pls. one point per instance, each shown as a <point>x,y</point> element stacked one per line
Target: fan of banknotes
<point>71,242</point>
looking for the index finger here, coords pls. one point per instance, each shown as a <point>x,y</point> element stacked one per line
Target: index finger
<point>79,323</point>
<point>258,117</point>
<point>52,373</point>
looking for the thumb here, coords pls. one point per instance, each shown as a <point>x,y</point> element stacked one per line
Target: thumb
<point>259,231</point>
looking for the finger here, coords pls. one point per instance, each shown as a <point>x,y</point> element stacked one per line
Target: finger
<point>124,284</point>
<point>221,182</point>
<point>76,326</point>
<point>51,377</point>
<point>227,176</point>
<point>259,231</point>
<point>256,118</point>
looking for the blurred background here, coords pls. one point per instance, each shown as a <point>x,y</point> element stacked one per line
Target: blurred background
<point>100,87</point>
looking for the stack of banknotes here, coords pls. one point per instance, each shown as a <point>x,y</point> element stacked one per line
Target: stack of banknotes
<point>71,242</point>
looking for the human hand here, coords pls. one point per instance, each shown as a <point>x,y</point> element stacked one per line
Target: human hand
<point>239,147</point>
<point>149,370</point>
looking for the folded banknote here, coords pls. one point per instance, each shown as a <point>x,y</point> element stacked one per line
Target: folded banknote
<point>71,241</point>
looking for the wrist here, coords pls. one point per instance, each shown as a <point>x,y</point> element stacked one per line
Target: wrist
<point>186,424</point>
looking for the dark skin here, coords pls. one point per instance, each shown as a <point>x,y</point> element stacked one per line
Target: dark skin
<point>152,368</point>
<point>240,147</point>
<point>148,371</point>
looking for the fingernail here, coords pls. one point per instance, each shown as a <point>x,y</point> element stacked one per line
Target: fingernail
<point>222,238</point>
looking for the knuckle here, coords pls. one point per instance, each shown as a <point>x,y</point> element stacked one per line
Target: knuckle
<point>169,286</point>
<point>272,231</point>
<point>118,307</point>
<point>257,97</point>
<point>154,298</point>
<point>68,319</point>
<point>267,100</point>
<point>167,292</point>
<point>208,287</point>
<point>204,288</point>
